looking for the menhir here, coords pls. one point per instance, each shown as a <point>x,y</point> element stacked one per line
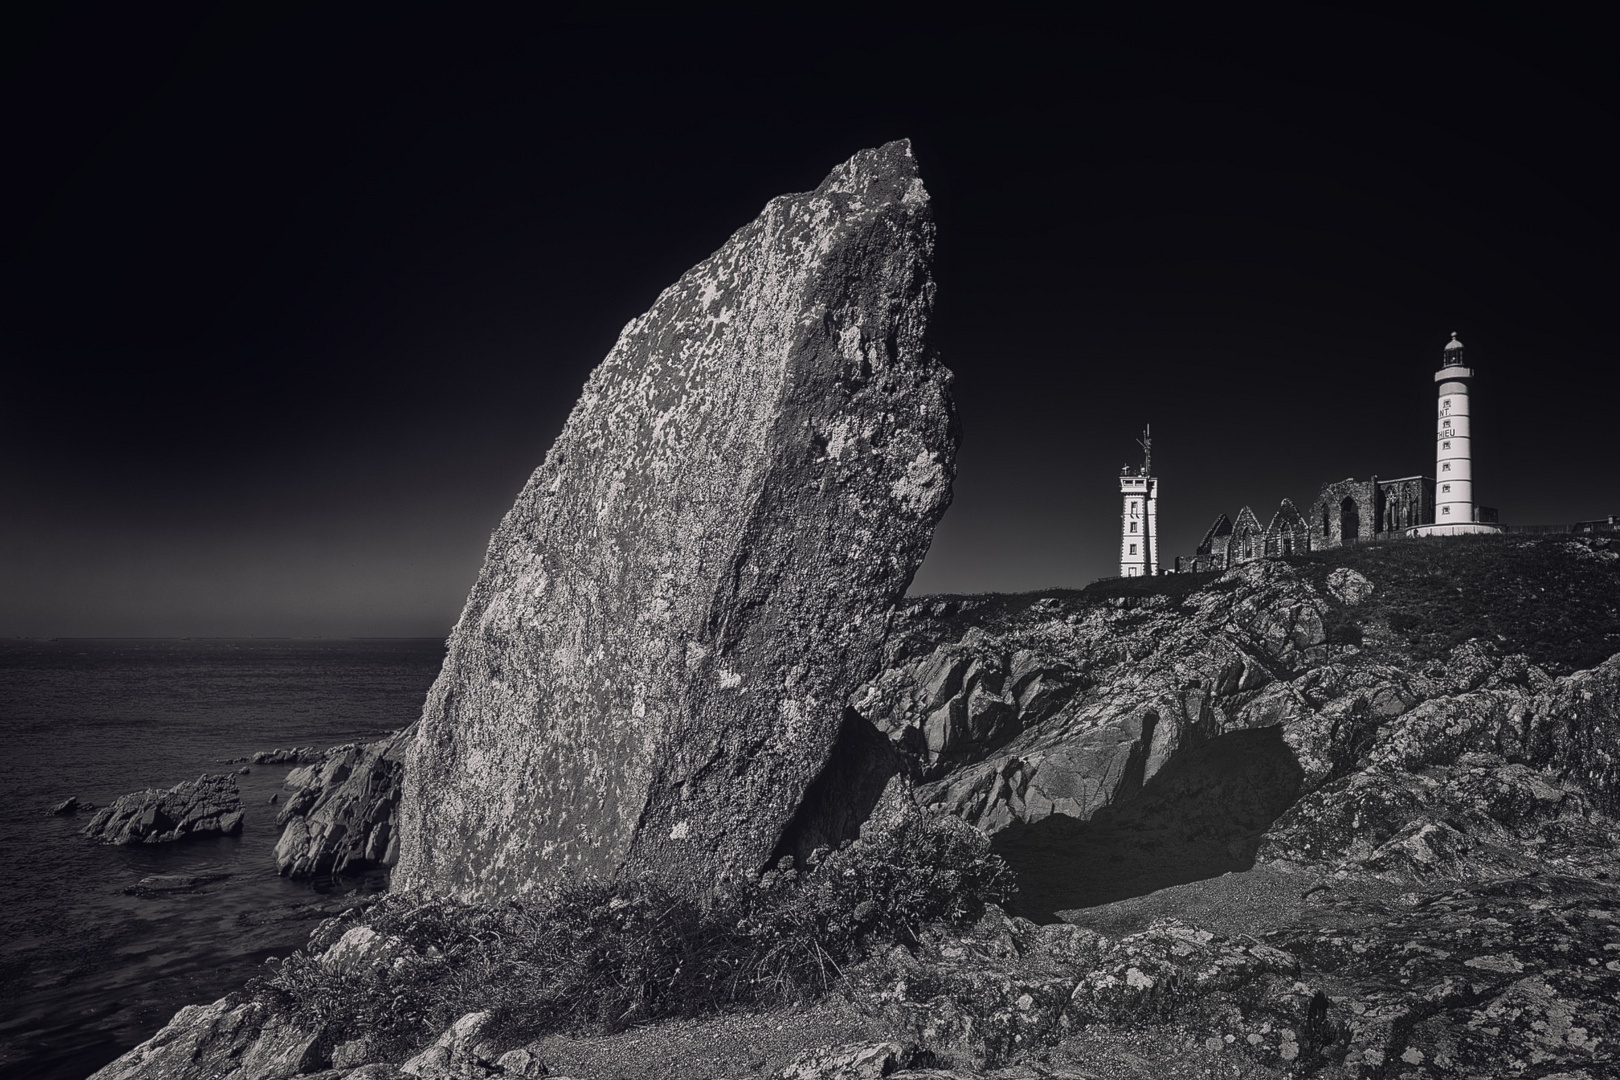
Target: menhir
<point>652,667</point>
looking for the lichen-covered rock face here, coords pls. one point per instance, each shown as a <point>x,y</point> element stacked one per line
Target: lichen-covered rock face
<point>654,662</point>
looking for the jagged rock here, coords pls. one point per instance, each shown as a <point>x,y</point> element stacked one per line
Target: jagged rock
<point>856,1061</point>
<point>653,664</point>
<point>964,700</point>
<point>344,815</point>
<point>222,1041</point>
<point>295,756</point>
<point>207,806</point>
<point>1068,714</point>
<point>71,805</point>
<point>462,1050</point>
<point>361,948</point>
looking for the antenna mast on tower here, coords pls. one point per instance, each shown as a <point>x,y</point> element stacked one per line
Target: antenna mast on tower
<point>1139,515</point>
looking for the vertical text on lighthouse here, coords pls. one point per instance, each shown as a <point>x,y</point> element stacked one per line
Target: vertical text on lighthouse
<point>1454,510</point>
<point>1454,452</point>
<point>1139,515</point>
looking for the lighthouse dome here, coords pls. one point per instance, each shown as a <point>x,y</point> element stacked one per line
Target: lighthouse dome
<point>1453,343</point>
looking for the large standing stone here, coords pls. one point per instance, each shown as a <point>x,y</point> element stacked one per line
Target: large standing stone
<point>653,664</point>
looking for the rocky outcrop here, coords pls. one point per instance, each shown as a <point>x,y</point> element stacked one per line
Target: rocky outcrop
<point>1071,707</point>
<point>71,805</point>
<point>1178,736</point>
<point>343,814</point>
<point>207,806</point>
<point>1517,776</point>
<point>227,1040</point>
<point>652,666</point>
<point>300,755</point>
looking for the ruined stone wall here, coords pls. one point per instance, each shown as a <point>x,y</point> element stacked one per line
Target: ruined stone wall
<point>1288,534</point>
<point>1248,539</point>
<point>1346,511</point>
<point>1405,503</point>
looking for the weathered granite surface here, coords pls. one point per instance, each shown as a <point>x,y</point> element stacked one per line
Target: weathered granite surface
<point>343,813</point>
<point>652,666</point>
<point>207,806</point>
<point>1025,715</point>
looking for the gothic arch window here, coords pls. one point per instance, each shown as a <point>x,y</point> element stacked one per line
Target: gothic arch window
<point>1349,520</point>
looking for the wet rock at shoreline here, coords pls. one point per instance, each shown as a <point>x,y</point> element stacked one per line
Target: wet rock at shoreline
<point>158,884</point>
<point>71,805</point>
<point>207,806</point>
<point>344,813</point>
<point>652,667</point>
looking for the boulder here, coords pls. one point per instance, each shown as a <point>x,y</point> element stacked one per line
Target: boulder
<point>1348,587</point>
<point>653,664</point>
<point>344,814</point>
<point>207,806</point>
<point>71,805</point>
<point>460,1051</point>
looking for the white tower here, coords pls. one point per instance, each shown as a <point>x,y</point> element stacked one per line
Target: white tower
<point>1139,515</point>
<point>1453,451</point>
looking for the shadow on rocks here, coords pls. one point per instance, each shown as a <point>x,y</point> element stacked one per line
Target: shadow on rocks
<point>1201,816</point>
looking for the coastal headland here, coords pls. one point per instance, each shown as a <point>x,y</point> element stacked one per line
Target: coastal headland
<point>700,792</point>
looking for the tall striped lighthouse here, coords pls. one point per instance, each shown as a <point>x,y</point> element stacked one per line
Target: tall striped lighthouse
<point>1454,451</point>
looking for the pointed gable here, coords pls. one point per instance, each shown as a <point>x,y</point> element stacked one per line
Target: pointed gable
<point>1216,536</point>
<point>1248,538</point>
<point>1288,533</point>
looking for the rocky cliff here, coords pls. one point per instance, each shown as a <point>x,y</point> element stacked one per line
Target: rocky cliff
<point>1276,711</point>
<point>1308,818</point>
<point>652,666</point>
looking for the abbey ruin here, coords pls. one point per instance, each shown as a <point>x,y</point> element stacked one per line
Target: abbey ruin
<point>1344,512</point>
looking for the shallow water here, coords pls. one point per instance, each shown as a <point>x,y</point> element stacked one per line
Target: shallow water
<point>86,971</point>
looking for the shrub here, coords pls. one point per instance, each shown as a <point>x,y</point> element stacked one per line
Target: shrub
<point>604,954</point>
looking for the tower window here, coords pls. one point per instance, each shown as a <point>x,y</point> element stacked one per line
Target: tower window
<point>1445,466</point>
<point>1133,526</point>
<point>1445,487</point>
<point>1133,549</point>
<point>1445,445</point>
<point>1445,509</point>
<point>1133,506</point>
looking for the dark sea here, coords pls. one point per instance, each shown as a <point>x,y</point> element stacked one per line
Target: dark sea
<point>88,971</point>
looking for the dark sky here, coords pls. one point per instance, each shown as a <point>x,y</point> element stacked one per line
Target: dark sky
<point>296,297</point>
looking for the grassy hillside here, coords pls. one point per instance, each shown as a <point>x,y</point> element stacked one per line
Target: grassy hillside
<point>1555,599</point>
